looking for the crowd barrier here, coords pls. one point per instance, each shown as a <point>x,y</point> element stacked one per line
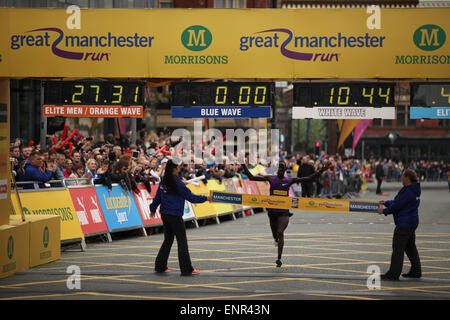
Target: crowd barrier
<point>87,210</point>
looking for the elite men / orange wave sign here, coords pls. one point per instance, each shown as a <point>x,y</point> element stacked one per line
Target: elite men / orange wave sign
<point>93,111</point>
<point>296,203</point>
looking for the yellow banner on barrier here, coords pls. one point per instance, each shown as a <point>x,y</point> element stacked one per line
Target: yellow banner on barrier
<point>222,208</point>
<point>14,248</point>
<point>227,43</point>
<point>205,209</point>
<point>52,202</point>
<point>296,203</point>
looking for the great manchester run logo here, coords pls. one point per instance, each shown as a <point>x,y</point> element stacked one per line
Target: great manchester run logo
<point>88,47</point>
<point>307,46</point>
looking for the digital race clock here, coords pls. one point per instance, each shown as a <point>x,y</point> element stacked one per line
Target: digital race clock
<point>337,100</point>
<point>93,93</point>
<point>105,99</point>
<point>430,100</point>
<point>222,99</point>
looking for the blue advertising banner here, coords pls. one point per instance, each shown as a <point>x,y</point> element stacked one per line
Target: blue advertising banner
<point>221,112</point>
<point>119,208</point>
<point>430,113</point>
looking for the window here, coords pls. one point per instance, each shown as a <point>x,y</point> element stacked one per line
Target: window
<point>411,122</point>
<point>220,4</point>
<point>376,123</point>
<point>387,123</point>
<point>401,116</point>
<point>443,123</point>
<point>165,3</point>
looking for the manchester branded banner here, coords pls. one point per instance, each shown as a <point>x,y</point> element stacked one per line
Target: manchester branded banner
<point>222,208</point>
<point>226,43</point>
<point>119,208</point>
<point>295,203</point>
<point>88,209</point>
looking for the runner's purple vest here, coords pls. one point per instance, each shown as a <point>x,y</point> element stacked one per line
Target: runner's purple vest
<point>279,188</point>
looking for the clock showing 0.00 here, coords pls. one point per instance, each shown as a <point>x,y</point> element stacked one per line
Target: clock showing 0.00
<point>245,94</point>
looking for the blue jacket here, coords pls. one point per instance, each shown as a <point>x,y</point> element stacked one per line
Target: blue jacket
<point>173,204</point>
<point>35,174</point>
<point>405,207</point>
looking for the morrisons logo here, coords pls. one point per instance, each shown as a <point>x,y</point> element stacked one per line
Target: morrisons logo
<point>196,38</point>
<point>428,37</point>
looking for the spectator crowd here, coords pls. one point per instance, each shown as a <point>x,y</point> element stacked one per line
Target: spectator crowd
<point>108,160</point>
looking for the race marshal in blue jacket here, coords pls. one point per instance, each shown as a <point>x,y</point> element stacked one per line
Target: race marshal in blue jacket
<point>170,197</point>
<point>405,210</point>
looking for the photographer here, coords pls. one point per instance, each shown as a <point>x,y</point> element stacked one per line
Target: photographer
<point>122,175</point>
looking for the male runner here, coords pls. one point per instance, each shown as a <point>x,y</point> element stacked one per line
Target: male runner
<point>279,186</point>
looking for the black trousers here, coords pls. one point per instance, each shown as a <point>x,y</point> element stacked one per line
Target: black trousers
<point>307,189</point>
<point>379,185</point>
<point>404,240</point>
<point>174,227</point>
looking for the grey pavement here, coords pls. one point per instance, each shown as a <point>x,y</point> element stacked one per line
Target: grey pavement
<point>326,257</point>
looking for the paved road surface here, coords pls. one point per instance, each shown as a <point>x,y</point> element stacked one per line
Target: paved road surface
<point>326,257</point>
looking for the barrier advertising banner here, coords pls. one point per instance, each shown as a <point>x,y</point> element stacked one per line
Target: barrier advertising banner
<point>205,209</point>
<point>250,187</point>
<point>143,202</point>
<point>119,208</point>
<point>51,202</point>
<point>188,211</point>
<point>88,209</point>
<point>263,187</point>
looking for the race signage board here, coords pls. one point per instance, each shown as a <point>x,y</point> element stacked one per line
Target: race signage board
<point>337,100</point>
<point>306,43</point>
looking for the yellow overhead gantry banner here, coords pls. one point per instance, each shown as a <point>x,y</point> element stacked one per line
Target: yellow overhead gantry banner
<point>226,43</point>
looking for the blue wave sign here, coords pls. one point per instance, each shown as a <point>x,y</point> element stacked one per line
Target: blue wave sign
<point>119,208</point>
<point>228,112</point>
